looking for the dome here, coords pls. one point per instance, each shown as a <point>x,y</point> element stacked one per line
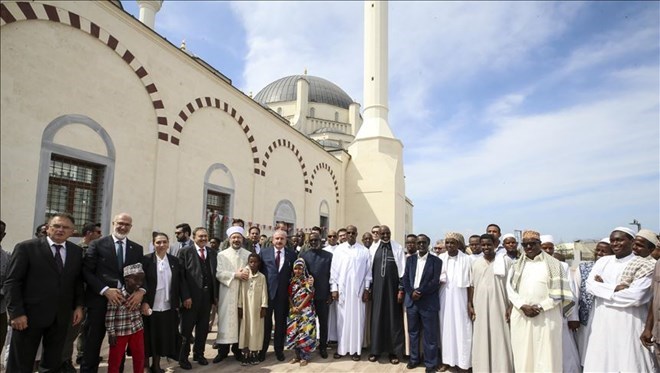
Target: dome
<point>320,90</point>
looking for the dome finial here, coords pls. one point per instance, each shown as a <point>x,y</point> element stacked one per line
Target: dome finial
<point>305,71</point>
<point>183,45</point>
<point>250,94</point>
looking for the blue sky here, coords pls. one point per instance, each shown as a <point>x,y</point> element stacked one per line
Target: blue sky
<point>533,115</point>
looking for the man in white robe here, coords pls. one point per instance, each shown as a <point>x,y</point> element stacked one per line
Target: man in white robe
<point>455,295</point>
<point>230,272</point>
<point>618,313</point>
<point>571,358</point>
<point>350,276</point>
<point>540,294</point>
<point>331,246</point>
<point>491,348</point>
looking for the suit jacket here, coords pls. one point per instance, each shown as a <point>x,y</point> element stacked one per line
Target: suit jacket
<point>192,272</point>
<point>178,288</point>
<point>429,285</point>
<point>37,290</point>
<point>277,280</point>
<point>318,264</point>
<point>100,267</point>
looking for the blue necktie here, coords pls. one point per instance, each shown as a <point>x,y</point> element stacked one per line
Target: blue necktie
<point>120,255</point>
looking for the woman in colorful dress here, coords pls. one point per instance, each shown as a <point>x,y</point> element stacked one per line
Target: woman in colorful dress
<point>301,323</point>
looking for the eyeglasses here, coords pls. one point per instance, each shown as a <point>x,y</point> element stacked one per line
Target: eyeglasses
<point>530,243</point>
<point>60,226</point>
<point>331,236</point>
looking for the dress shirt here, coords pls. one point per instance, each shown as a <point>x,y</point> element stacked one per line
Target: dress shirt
<point>206,252</point>
<point>281,257</point>
<point>421,262</point>
<point>62,250</point>
<point>123,243</point>
<point>164,278</point>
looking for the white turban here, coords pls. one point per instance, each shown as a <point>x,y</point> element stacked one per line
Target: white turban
<point>235,229</point>
<point>625,230</point>
<point>545,238</point>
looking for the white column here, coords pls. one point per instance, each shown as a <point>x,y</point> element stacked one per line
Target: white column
<point>148,10</point>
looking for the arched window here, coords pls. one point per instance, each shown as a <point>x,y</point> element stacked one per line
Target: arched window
<point>336,116</point>
<point>324,217</point>
<point>75,179</point>
<point>284,211</point>
<point>218,199</point>
<point>312,112</point>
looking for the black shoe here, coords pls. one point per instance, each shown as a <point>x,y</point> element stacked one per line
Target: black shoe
<point>356,357</point>
<point>218,358</point>
<point>79,360</point>
<point>262,356</point>
<point>200,359</point>
<point>324,353</point>
<point>67,367</point>
<point>412,365</point>
<point>337,355</point>
<point>279,355</point>
<point>254,358</point>
<point>185,364</point>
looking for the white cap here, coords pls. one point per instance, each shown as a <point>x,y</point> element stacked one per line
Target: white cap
<point>545,238</point>
<point>625,230</point>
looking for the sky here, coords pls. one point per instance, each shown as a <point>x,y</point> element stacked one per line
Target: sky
<point>531,115</point>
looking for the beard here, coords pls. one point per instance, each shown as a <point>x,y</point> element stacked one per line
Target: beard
<point>118,235</point>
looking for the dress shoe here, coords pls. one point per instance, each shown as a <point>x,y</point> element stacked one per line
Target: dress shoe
<point>324,353</point>
<point>185,364</point>
<point>218,358</point>
<point>201,360</point>
<point>279,355</point>
<point>337,355</point>
<point>67,367</point>
<point>412,365</point>
<point>262,356</point>
<point>356,357</point>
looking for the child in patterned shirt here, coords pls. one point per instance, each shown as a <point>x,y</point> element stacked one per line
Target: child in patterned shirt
<point>124,325</point>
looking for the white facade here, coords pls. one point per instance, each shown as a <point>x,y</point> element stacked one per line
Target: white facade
<point>87,82</point>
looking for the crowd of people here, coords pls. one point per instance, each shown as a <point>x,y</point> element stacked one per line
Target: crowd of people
<point>493,305</point>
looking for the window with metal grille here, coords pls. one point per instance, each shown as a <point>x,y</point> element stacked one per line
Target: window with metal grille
<point>76,187</point>
<point>217,208</point>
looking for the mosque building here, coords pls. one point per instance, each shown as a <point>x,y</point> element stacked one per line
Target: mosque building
<point>101,115</point>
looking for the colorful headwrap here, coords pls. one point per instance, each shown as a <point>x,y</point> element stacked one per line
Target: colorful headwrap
<point>456,236</point>
<point>301,262</point>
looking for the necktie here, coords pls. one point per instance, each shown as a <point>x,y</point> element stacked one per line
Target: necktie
<point>277,260</point>
<point>120,255</point>
<point>201,254</point>
<point>58,258</point>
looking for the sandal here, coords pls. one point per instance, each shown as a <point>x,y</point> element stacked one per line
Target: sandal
<point>356,357</point>
<point>373,358</point>
<point>394,360</point>
<point>295,360</point>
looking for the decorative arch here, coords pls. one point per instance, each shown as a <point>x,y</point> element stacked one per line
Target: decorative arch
<point>11,12</point>
<point>286,212</point>
<point>324,166</point>
<point>289,145</point>
<point>211,102</point>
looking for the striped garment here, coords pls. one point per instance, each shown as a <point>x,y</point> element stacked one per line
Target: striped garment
<point>120,321</point>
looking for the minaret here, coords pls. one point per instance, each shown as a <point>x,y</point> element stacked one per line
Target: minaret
<point>375,186</point>
<point>148,10</point>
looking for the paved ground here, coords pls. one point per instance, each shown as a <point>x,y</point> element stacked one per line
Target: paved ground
<point>272,365</point>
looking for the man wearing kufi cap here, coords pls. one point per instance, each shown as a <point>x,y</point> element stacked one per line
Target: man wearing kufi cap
<point>230,272</point>
<point>622,307</point>
<point>571,357</point>
<point>455,297</point>
<point>538,289</point>
<point>651,335</point>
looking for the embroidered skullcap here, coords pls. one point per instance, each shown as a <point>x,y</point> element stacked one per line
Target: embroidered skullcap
<point>531,235</point>
<point>133,269</point>
<point>508,235</point>
<point>605,240</point>
<point>545,238</point>
<point>235,229</point>
<point>649,236</point>
<point>625,230</point>
<point>456,236</point>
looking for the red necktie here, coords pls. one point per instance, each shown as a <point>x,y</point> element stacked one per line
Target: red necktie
<point>201,253</point>
<point>277,260</point>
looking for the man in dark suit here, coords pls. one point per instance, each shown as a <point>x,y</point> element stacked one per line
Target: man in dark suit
<point>277,265</point>
<point>44,287</point>
<point>319,262</point>
<point>199,267</point>
<point>103,270</point>
<point>421,283</point>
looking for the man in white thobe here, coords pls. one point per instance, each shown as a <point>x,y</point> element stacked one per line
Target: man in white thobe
<point>571,358</point>
<point>540,294</point>
<point>455,295</point>
<point>230,272</point>
<point>350,276</point>
<point>619,313</point>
